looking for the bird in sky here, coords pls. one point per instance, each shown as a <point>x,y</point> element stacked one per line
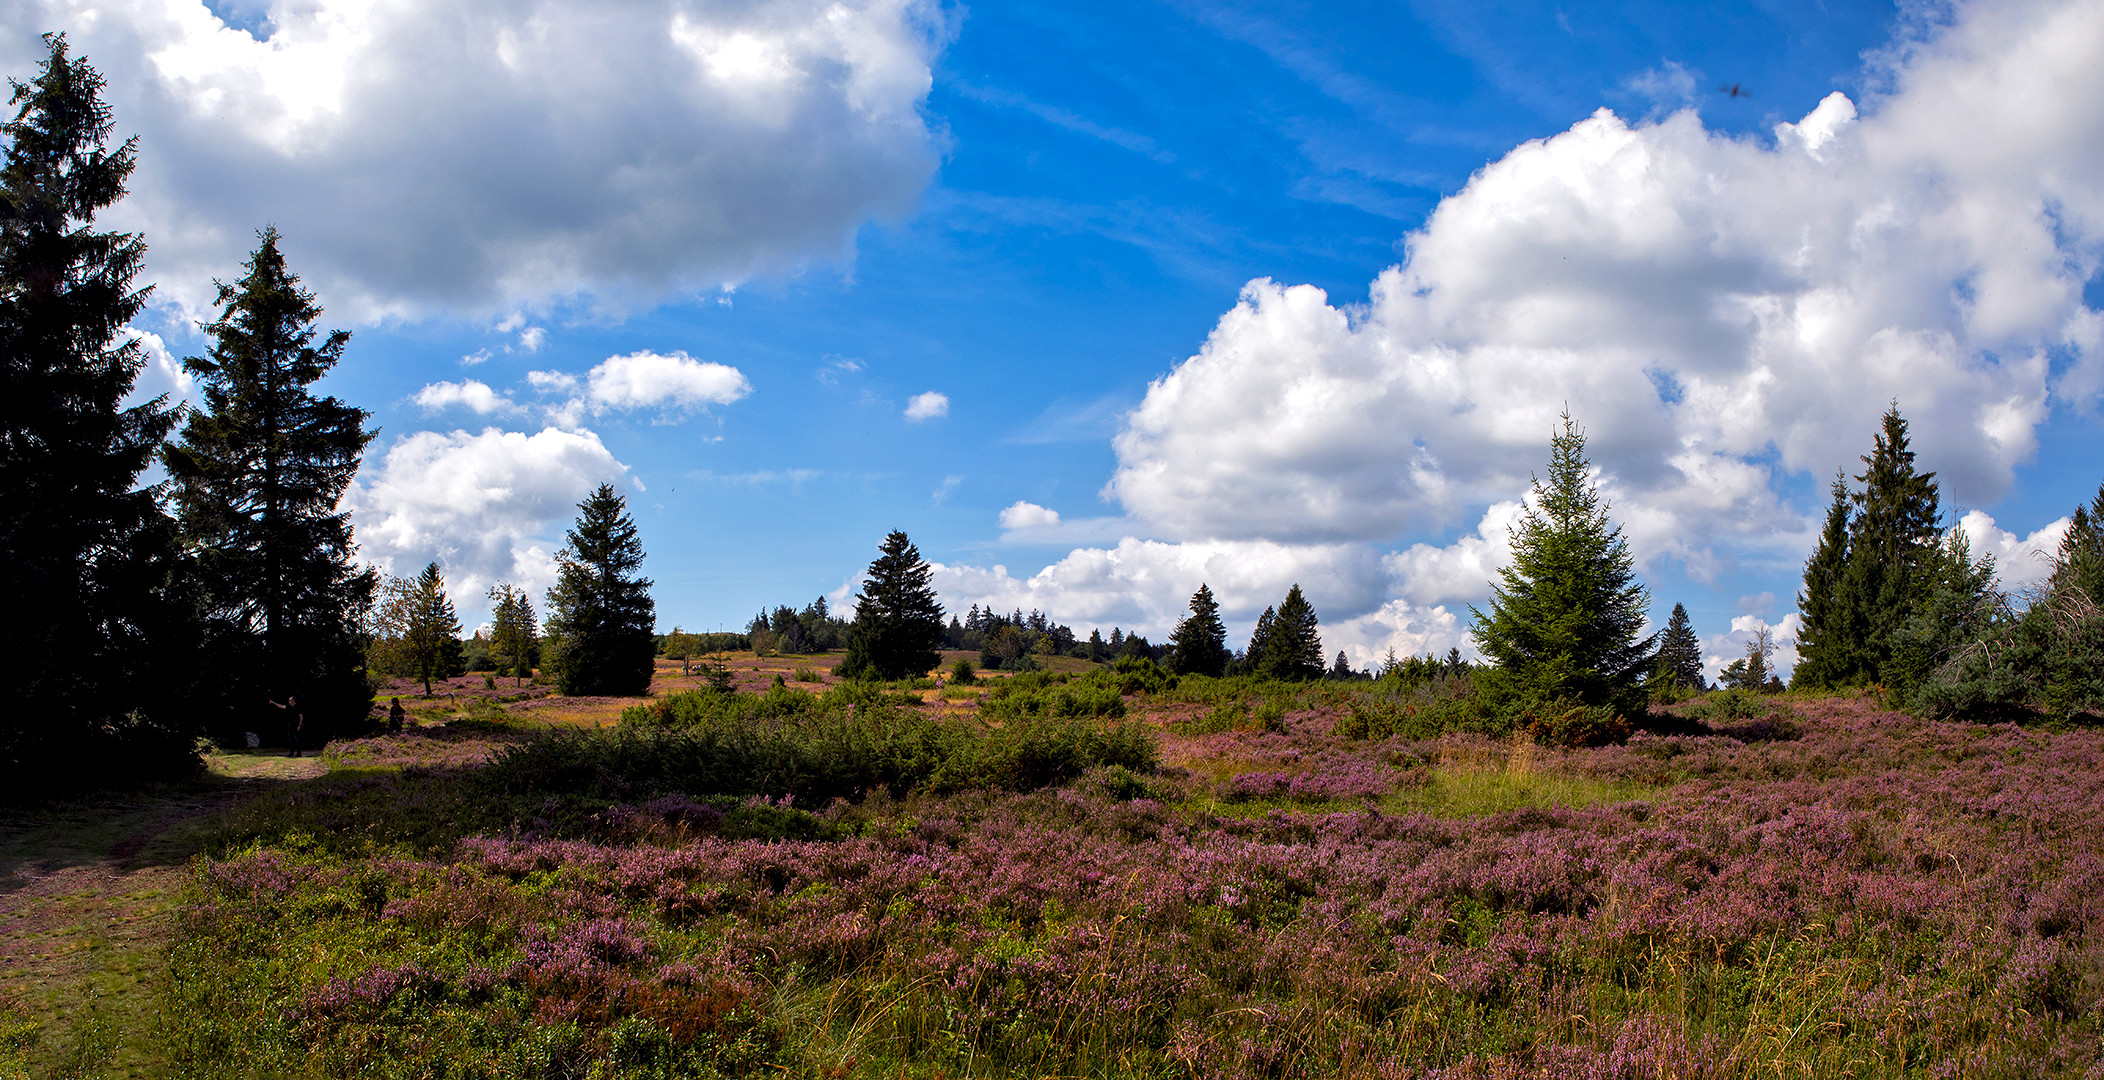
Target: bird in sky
<point>1733,91</point>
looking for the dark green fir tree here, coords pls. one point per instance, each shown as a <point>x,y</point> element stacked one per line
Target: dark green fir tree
<point>1829,635</point>
<point>1259,643</point>
<point>258,475</point>
<point>601,620</point>
<point>1293,648</point>
<point>1199,644</point>
<point>1566,617</point>
<point>1680,653</point>
<point>1891,541</point>
<point>433,629</point>
<point>898,619</point>
<point>96,647</point>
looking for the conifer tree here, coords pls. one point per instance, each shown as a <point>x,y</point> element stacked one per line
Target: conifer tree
<point>898,619</point>
<point>514,631</point>
<point>1680,653</point>
<point>601,620</point>
<point>1564,618</point>
<point>431,628</point>
<point>1259,642</point>
<point>2079,564</point>
<point>1892,540</point>
<point>1199,644</point>
<point>1292,649</point>
<point>258,474</point>
<point>1828,636</point>
<point>97,628</point>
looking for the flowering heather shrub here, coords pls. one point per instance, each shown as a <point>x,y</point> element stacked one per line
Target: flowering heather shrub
<point>1880,896</point>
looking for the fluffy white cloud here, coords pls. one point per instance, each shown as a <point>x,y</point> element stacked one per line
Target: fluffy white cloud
<point>644,380</point>
<point>471,394</point>
<point>2019,561</point>
<point>1028,515</point>
<point>478,155</point>
<point>1145,585</point>
<point>1714,311</point>
<point>488,506</point>
<point>927,406</point>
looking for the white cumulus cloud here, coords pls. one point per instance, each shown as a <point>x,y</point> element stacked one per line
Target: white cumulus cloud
<point>673,380</point>
<point>487,506</point>
<point>1028,515</point>
<point>471,394</point>
<point>479,155</point>
<point>927,406</point>
<point>1716,311</point>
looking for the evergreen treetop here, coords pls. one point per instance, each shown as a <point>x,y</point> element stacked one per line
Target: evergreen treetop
<point>1892,538</point>
<point>1292,648</point>
<point>1680,652</point>
<point>98,632</point>
<point>1565,616</point>
<point>601,619</point>
<point>1823,641</point>
<point>1199,644</point>
<point>898,618</point>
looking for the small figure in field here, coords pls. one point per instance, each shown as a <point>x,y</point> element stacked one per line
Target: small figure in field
<point>294,722</point>
<point>395,714</point>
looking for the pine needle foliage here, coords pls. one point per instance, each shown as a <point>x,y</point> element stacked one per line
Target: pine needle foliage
<point>1829,618</point>
<point>1292,647</point>
<point>1199,644</point>
<point>96,627</point>
<point>898,618</point>
<point>602,622</point>
<point>1680,653</point>
<point>258,475</point>
<point>1565,617</point>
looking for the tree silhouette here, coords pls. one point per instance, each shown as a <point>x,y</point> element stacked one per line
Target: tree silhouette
<point>898,619</point>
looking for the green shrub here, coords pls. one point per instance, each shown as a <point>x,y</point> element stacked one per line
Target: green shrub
<point>807,673</point>
<point>1569,724</point>
<point>962,672</point>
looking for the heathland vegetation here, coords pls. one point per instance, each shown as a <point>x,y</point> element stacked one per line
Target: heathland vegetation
<point>913,843</point>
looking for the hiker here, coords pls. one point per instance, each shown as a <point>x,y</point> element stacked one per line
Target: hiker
<point>294,722</point>
<point>395,714</point>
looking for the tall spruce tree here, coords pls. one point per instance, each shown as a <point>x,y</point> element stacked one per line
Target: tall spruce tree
<point>1259,642</point>
<point>96,629</point>
<point>1891,542</point>
<point>1293,649</point>
<point>258,474</point>
<point>2079,563</point>
<point>514,631</point>
<point>1680,653</point>
<point>433,627</point>
<point>1564,618</point>
<point>898,618</point>
<point>1199,644</point>
<point>602,623</point>
<point>1829,632</point>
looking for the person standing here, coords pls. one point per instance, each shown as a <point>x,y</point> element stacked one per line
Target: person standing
<point>395,715</point>
<point>295,724</point>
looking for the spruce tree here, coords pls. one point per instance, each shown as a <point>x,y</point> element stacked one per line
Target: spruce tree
<point>898,619</point>
<point>1892,540</point>
<point>258,474</point>
<point>1827,639</point>
<point>601,620</point>
<point>432,626</point>
<point>2079,564</point>
<point>1680,653</point>
<point>1293,649</point>
<point>514,631</point>
<point>1199,644</point>
<point>1259,643</point>
<point>1564,618</point>
<point>97,631</point>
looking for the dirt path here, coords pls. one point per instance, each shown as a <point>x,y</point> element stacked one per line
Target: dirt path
<point>88,892</point>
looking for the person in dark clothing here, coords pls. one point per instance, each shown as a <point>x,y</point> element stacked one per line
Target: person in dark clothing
<point>295,723</point>
<point>395,715</point>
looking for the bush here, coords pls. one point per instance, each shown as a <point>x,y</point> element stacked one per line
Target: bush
<point>806,673</point>
<point>1570,724</point>
<point>963,673</point>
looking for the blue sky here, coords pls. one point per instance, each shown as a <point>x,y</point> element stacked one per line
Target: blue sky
<point>738,242</point>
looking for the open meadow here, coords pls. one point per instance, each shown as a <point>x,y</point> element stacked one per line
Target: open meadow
<point>1113,873</point>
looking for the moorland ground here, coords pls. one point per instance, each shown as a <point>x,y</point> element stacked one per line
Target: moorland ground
<point>1105,874</point>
